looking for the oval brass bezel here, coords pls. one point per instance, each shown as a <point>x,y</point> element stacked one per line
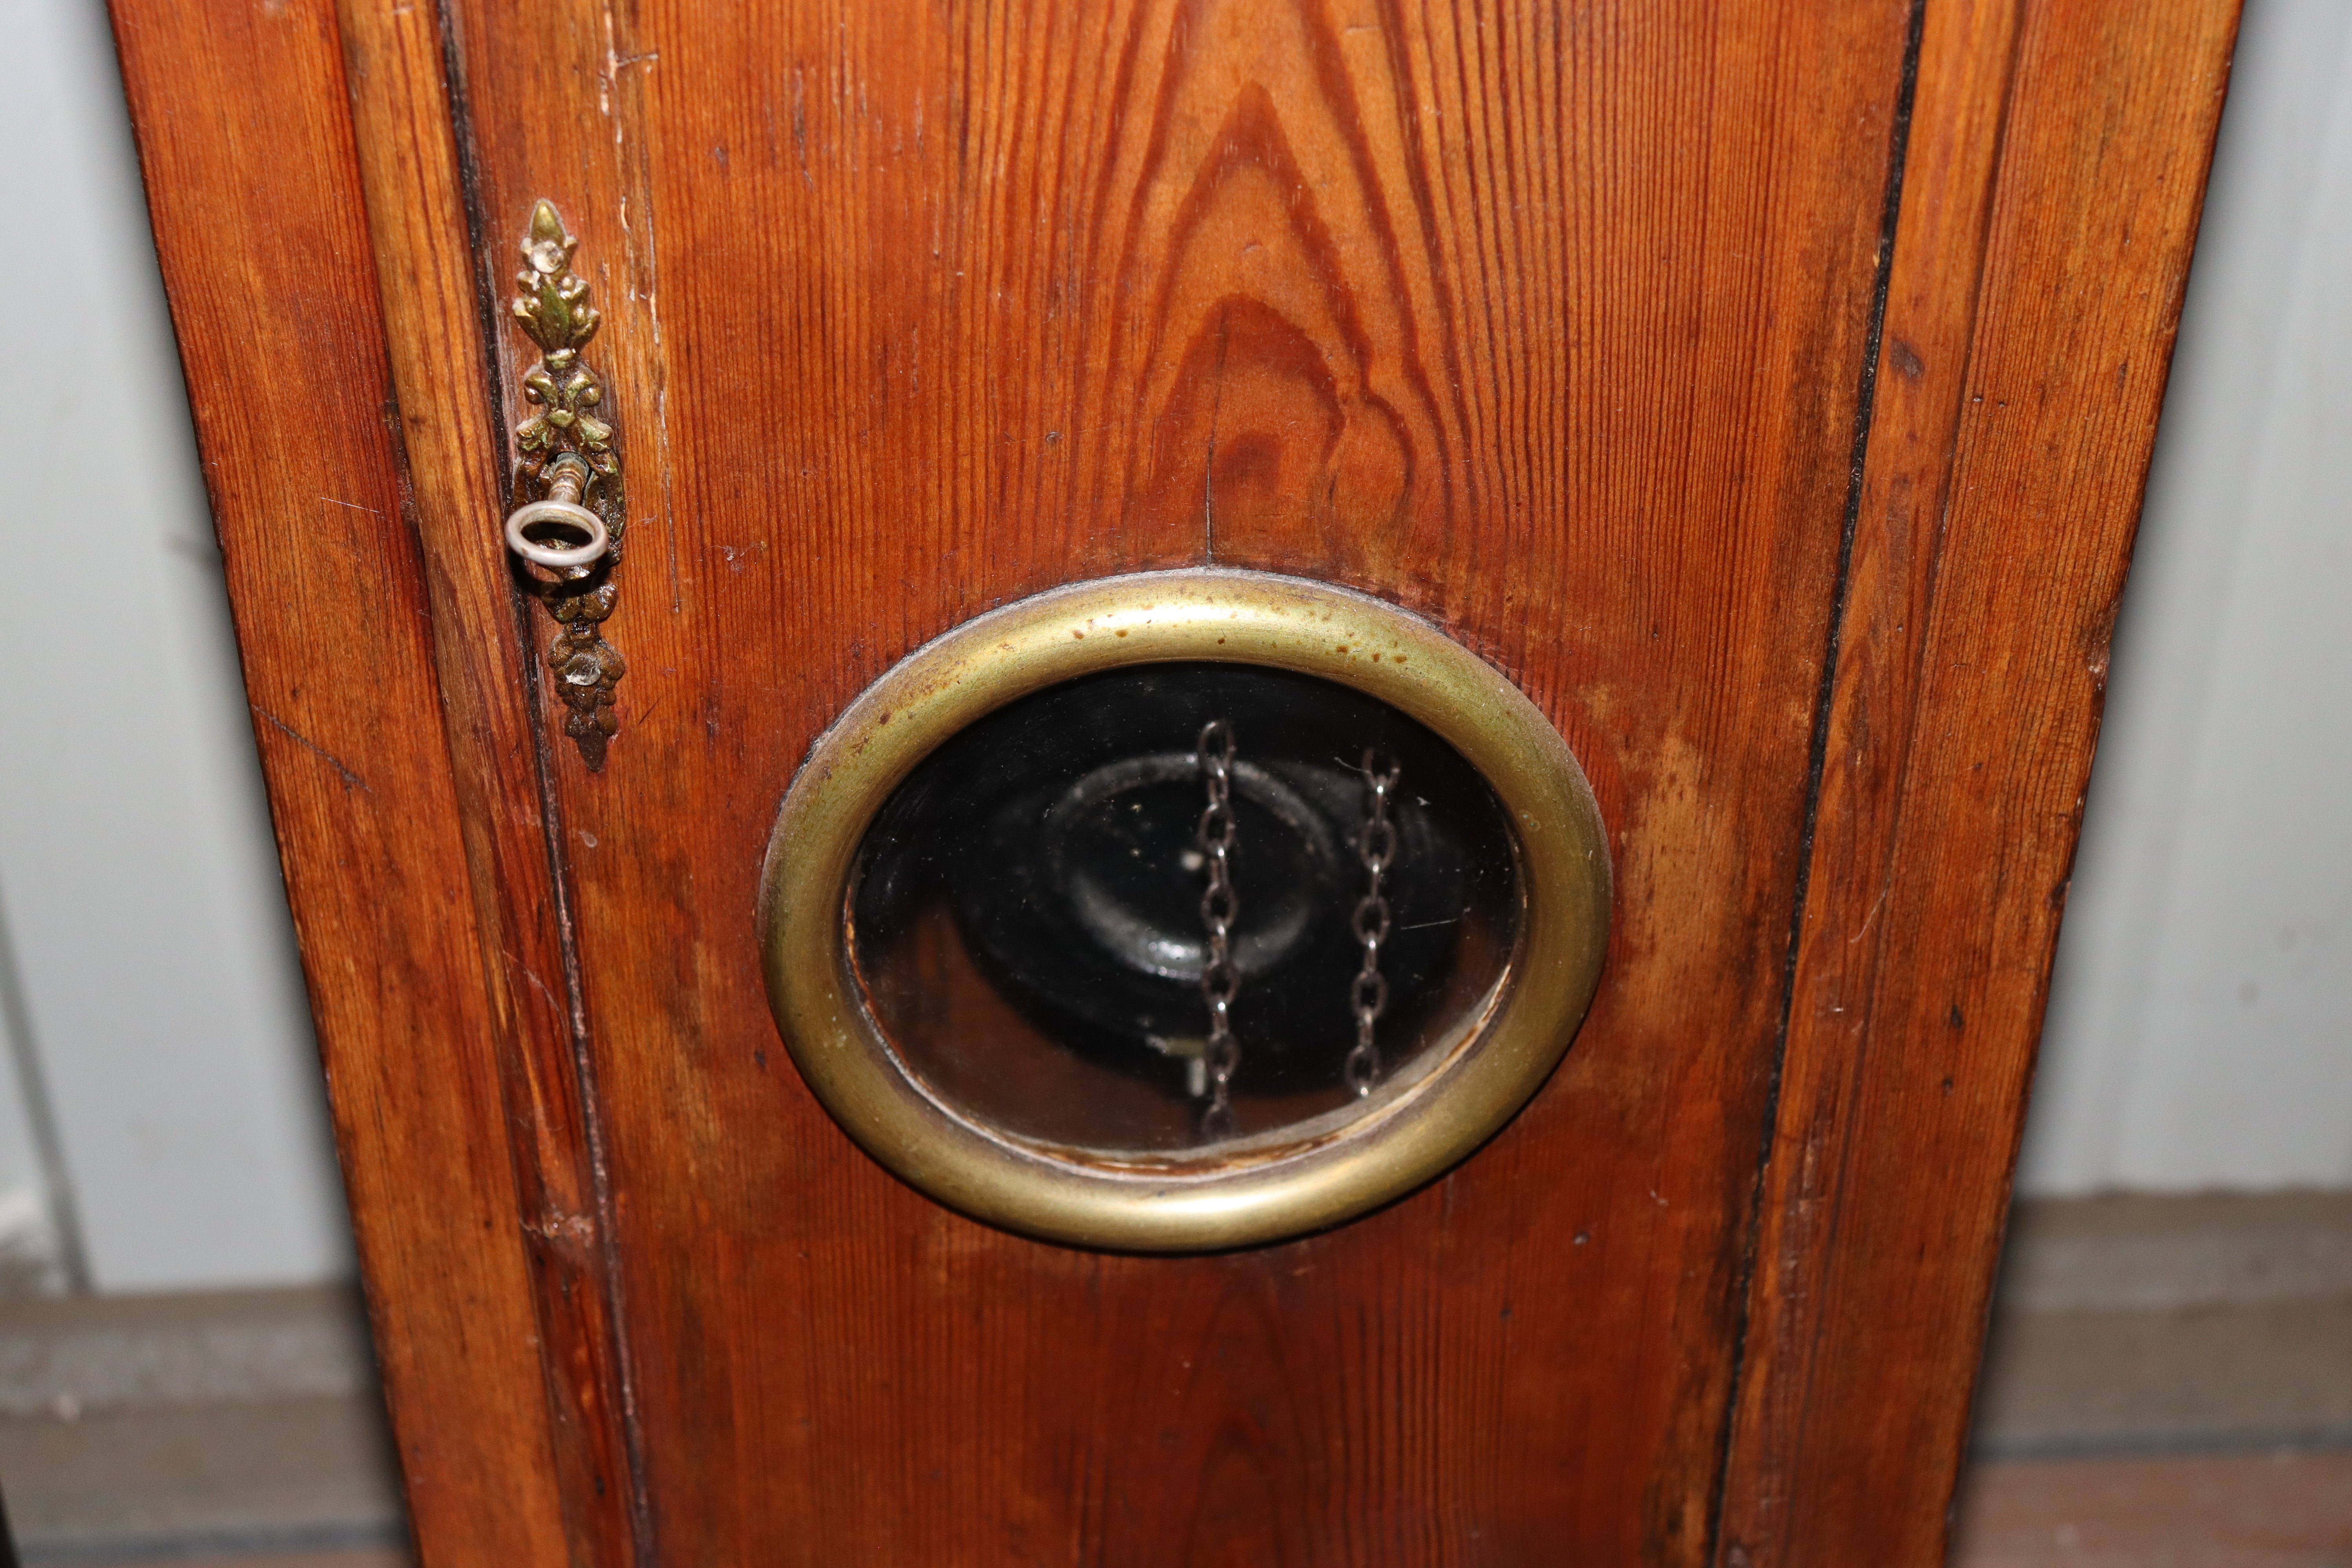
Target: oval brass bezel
<point>1178,1202</point>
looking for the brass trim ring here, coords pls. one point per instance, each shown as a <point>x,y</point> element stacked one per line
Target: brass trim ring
<point>1271,1188</point>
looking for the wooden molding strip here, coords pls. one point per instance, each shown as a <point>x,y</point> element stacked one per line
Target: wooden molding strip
<point>454,447</point>
<point>2056,163</point>
<point>261,229</point>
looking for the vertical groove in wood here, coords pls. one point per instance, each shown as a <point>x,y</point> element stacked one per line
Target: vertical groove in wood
<point>454,450</point>
<point>245,141</point>
<point>1936,252</point>
<point>2059,152</point>
<point>1840,596</point>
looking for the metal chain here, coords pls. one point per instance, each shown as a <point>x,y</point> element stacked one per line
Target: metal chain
<point>1369,994</point>
<point>1220,907</point>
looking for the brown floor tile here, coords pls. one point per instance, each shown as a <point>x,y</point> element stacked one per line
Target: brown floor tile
<point>2240,1377</point>
<point>110,1482</point>
<point>368,1557</point>
<point>2289,1510</point>
<point>2286,1510</point>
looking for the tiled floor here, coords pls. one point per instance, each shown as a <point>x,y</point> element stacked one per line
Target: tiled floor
<point>2260,1511</point>
<point>2218,1329</point>
<point>2291,1511</point>
<point>289,1470</point>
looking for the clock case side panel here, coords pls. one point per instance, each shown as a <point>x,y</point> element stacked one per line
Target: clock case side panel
<point>329,323</point>
<point>2057,163</point>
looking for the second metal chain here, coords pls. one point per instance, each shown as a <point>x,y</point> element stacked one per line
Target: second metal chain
<point>1367,995</point>
<point>1220,907</point>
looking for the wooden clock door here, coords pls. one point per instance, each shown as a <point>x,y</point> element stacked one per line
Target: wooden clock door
<point>1764,389</point>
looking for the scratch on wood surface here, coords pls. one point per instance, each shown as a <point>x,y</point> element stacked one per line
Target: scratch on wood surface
<point>536,983</point>
<point>1876,904</point>
<point>352,781</point>
<point>569,1231</point>
<point>1209,457</point>
<point>800,127</point>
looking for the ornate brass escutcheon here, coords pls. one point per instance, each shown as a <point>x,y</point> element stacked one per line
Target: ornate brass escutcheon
<point>1183,910</point>
<point>564,451</point>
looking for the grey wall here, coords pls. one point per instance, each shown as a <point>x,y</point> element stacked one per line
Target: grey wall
<point>148,952</point>
<point>2200,1034</point>
<point>161,1118</point>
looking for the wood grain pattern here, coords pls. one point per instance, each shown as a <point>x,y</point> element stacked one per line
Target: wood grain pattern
<point>452,446</point>
<point>247,143</point>
<point>914,312</point>
<point>1550,323</point>
<point>2042,245</point>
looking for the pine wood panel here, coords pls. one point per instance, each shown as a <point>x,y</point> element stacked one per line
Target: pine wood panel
<point>247,142</point>
<point>2045,237</point>
<point>407,154</point>
<point>1553,331</point>
<point>1555,326</point>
